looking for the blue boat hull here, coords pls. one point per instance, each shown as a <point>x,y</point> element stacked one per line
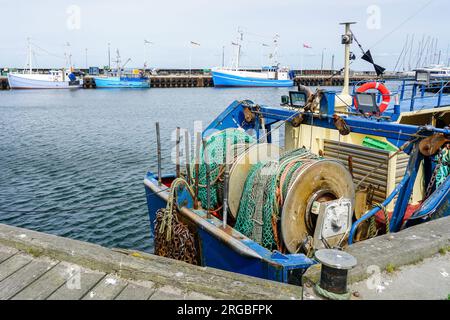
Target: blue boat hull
<point>216,253</point>
<point>226,80</point>
<point>115,82</point>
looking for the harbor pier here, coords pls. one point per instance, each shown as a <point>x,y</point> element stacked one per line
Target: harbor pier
<point>412,264</point>
<point>35,265</point>
<point>166,81</point>
<point>198,78</point>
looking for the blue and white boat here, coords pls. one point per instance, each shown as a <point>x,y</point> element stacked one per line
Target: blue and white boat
<point>121,79</point>
<point>128,81</point>
<point>251,205</point>
<point>264,77</point>
<point>273,76</point>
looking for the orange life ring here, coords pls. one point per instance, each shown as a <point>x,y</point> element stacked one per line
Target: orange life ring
<point>381,88</point>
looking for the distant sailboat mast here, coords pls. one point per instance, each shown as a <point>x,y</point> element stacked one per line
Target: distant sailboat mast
<point>30,68</point>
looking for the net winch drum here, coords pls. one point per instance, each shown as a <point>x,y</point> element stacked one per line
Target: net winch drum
<point>319,183</point>
<point>260,152</point>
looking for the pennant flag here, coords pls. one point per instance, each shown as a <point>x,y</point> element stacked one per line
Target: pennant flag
<point>234,44</point>
<point>195,43</point>
<point>368,57</point>
<point>307,46</point>
<point>147,42</point>
<point>265,45</point>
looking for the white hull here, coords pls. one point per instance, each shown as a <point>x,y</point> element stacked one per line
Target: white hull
<point>38,81</point>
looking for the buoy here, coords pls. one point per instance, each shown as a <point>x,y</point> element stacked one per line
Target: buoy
<point>381,88</point>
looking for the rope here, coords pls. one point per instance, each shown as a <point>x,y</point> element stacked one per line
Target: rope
<point>331,295</point>
<point>166,221</point>
<point>372,230</point>
<point>386,216</point>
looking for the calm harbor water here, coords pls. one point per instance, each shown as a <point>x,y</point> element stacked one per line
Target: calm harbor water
<point>72,162</point>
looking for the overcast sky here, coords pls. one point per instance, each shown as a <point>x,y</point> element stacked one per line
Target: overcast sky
<point>170,25</point>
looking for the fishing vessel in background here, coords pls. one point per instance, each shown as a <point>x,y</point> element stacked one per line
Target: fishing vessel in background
<point>351,165</point>
<point>122,79</point>
<point>55,79</point>
<point>437,72</point>
<point>271,76</point>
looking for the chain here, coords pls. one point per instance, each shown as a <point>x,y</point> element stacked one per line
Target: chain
<point>180,246</point>
<point>433,177</point>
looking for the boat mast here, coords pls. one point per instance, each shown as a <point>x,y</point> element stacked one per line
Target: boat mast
<point>347,40</point>
<point>119,68</point>
<point>239,44</point>
<point>274,57</point>
<point>30,68</point>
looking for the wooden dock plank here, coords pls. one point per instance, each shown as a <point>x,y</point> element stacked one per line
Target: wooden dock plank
<point>107,289</point>
<point>134,291</point>
<point>13,264</point>
<point>24,277</point>
<point>47,284</point>
<point>6,253</point>
<point>77,286</point>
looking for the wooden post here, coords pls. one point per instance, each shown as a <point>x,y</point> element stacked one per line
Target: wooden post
<point>197,168</point>
<point>177,151</point>
<point>158,150</point>
<point>187,156</point>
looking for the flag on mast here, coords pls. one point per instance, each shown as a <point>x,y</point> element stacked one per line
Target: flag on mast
<point>307,46</point>
<point>195,43</point>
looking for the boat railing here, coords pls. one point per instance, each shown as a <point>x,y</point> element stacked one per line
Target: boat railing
<point>435,93</point>
<point>432,92</point>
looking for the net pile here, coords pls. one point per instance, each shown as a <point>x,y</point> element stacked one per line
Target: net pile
<point>215,152</point>
<point>444,169</point>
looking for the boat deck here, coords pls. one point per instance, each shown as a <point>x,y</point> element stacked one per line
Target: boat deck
<point>35,265</point>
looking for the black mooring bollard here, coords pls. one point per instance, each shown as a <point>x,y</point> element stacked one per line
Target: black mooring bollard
<point>335,267</point>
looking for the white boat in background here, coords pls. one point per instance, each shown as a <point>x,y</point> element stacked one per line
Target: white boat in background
<point>55,79</point>
<point>437,71</point>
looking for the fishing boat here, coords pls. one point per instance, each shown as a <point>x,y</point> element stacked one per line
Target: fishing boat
<point>122,79</point>
<point>271,76</point>
<point>55,79</point>
<point>351,165</point>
